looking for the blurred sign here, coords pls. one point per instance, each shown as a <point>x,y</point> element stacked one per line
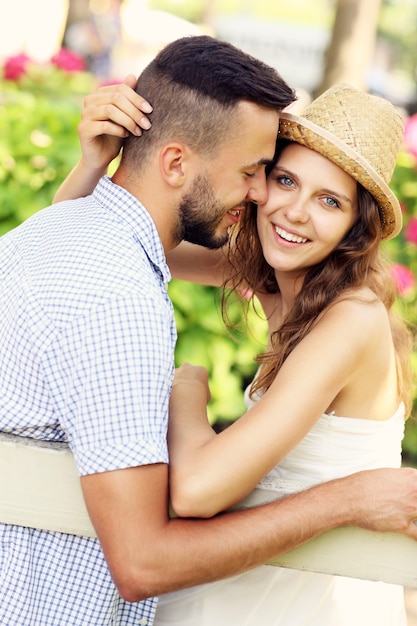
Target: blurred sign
<point>295,50</point>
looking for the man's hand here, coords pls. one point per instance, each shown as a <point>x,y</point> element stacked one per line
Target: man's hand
<point>385,500</point>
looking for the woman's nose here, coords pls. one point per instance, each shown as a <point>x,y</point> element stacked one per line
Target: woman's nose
<point>296,211</point>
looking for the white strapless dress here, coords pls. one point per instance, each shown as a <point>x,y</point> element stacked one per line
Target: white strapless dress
<point>273,596</point>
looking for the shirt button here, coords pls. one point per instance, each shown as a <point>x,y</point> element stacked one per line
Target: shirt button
<point>143,621</point>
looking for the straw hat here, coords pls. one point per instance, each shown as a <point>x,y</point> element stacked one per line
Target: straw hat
<point>360,133</point>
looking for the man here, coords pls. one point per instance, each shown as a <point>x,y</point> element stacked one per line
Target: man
<point>88,342</point>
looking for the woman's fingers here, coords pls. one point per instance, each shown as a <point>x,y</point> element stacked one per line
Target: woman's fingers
<point>121,106</point>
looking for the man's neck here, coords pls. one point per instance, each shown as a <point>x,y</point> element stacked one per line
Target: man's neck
<point>157,202</point>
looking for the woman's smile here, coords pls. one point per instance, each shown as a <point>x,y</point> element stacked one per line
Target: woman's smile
<point>289,237</point>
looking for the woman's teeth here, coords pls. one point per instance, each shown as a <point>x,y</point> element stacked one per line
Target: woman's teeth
<point>289,237</point>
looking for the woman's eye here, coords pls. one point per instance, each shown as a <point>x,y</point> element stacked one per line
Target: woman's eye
<point>285,180</point>
<point>331,202</point>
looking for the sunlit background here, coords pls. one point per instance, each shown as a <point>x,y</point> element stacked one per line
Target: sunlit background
<point>313,43</point>
<point>119,36</point>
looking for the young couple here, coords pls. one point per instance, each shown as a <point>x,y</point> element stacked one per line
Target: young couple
<point>333,387</point>
<point>90,328</point>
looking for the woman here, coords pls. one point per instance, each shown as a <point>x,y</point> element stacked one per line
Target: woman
<point>332,390</point>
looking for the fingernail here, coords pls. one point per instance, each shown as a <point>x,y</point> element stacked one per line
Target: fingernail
<point>146,107</point>
<point>145,123</point>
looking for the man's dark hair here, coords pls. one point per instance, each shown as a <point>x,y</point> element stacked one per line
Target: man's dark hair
<point>194,85</point>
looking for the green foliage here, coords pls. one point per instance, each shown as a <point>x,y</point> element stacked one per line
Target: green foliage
<point>320,12</point>
<point>204,340</point>
<point>402,251</point>
<point>38,147</point>
<point>191,10</point>
<point>398,25</point>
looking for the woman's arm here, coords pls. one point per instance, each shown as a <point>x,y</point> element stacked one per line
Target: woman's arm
<point>197,264</point>
<point>211,473</point>
<point>109,114</point>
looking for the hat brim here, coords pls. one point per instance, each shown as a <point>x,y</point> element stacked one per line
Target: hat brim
<point>308,134</point>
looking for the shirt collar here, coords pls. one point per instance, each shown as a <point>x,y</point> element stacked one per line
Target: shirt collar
<point>127,208</point>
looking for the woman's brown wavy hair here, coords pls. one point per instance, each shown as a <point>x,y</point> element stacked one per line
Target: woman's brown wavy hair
<point>356,262</point>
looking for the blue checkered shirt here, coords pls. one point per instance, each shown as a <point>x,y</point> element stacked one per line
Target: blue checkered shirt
<point>87,344</point>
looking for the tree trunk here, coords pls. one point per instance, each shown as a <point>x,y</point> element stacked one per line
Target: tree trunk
<point>350,52</point>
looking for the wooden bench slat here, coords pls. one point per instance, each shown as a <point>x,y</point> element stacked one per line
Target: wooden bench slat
<point>40,488</point>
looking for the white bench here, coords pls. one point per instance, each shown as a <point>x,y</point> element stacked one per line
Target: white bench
<point>33,472</point>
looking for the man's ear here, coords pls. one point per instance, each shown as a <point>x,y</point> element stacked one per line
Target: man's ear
<point>173,162</point>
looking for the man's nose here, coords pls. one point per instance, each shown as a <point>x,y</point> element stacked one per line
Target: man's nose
<point>258,191</point>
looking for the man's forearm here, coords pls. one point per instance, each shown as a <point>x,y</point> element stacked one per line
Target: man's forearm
<point>191,552</point>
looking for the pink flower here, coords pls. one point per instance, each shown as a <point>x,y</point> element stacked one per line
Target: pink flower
<point>246,294</point>
<point>15,67</point>
<point>410,134</point>
<point>68,60</point>
<point>403,277</point>
<point>410,233</point>
<point>110,81</point>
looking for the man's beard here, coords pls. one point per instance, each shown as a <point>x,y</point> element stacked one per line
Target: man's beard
<point>199,216</point>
